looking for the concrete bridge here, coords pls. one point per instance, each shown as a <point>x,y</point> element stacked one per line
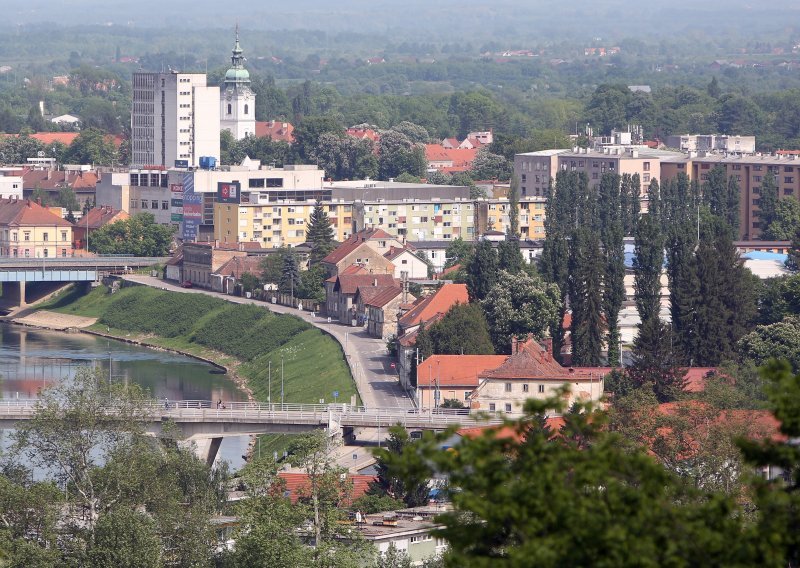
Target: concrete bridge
<point>17,273</point>
<point>202,422</point>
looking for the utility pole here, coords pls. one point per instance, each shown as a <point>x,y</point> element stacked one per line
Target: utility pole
<point>281,381</point>
<point>269,375</point>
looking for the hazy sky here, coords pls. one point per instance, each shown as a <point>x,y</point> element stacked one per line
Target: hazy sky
<point>434,19</point>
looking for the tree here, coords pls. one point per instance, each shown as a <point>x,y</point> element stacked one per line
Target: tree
<point>91,147</point>
<point>74,426</point>
<point>414,132</point>
<point>648,260</point>
<point>713,89</point>
<point>462,331</point>
<point>393,558</point>
<point>656,365</point>
<point>768,202</point>
<point>513,505</point>
<point>249,282</point>
<point>490,166</point>
<point>125,539</point>
<point>344,157</point>
<point>312,283</point>
<point>40,196</point>
<point>519,305</point>
<point>482,270</point>
<point>68,200</point>
<point>439,177</point>
<point>458,251</point>
<point>509,257</point>
<point>307,133</point>
<point>17,149</point>
<point>786,223</point>
<point>290,275</point>
<point>586,298</point>
<point>138,235</point>
<point>396,477</point>
<point>779,340</point>
<point>793,259</point>
<point>452,403</point>
<point>319,233</point>
<point>612,234</point>
<point>513,208</point>
<point>398,154</point>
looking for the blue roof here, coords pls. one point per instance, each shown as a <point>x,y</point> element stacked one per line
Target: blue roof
<point>761,255</point>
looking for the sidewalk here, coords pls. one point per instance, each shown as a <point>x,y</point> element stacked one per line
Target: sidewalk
<point>370,365</point>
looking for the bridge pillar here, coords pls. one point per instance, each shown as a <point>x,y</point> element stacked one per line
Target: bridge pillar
<point>14,293</point>
<point>207,449</point>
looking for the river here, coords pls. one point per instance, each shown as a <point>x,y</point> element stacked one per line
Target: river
<point>32,358</point>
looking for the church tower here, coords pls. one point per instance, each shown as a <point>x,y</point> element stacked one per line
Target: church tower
<point>237,100</point>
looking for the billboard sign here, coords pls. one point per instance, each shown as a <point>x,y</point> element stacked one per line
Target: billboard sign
<point>181,163</point>
<point>228,192</point>
<point>176,187</point>
<point>192,209</point>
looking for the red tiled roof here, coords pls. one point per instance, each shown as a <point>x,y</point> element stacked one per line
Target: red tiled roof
<point>553,423</point>
<point>56,179</point>
<point>275,129</point>
<point>100,216</point>
<point>459,157</point>
<point>455,370</point>
<point>384,297</point>
<point>66,138</point>
<point>437,303</point>
<point>352,269</point>
<point>297,484</point>
<point>27,213</point>
<point>353,242</point>
<point>696,378</point>
<point>363,133</point>
<point>450,270</point>
<point>238,265</point>
<point>534,361</point>
<point>350,283</point>
<point>394,252</point>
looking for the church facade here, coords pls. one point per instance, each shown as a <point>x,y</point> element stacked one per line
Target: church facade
<point>237,99</point>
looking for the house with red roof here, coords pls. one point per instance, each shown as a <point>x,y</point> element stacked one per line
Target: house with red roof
<point>83,183</point>
<point>425,311</point>
<point>363,133</point>
<point>276,130</point>
<point>366,247</point>
<point>449,159</point>
<point>532,372</point>
<point>298,486</point>
<point>405,260</point>
<point>92,220</point>
<point>343,291</point>
<point>28,230</point>
<point>451,377</point>
<point>381,310</point>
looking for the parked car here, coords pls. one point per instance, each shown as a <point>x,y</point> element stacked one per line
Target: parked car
<point>186,284</point>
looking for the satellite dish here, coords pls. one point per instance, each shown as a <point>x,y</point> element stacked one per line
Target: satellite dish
<point>40,153</point>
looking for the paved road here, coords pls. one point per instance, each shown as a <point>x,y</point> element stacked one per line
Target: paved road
<point>377,382</point>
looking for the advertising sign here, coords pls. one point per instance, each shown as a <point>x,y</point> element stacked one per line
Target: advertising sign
<point>176,187</point>
<point>181,163</point>
<point>192,211</point>
<point>176,217</point>
<point>228,192</point>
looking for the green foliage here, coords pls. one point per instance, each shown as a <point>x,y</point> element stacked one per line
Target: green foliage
<point>452,403</point>
<point>786,222</point>
<point>91,147</point>
<point>519,305</point>
<point>249,282</point>
<point>290,274</point>
<point>125,539</point>
<point>768,201</point>
<point>373,503</point>
<point>656,362</point>
<point>398,475</point>
<point>612,233</point>
<point>319,233</point>
<point>648,260</point>
<point>514,506</point>
<point>482,270</point>
<point>139,235</point>
<point>398,154</point>
<point>779,340</point>
<point>488,166</point>
<point>458,251</point>
<point>462,331</point>
<point>312,283</point>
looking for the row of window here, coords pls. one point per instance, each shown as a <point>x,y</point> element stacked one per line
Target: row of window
<point>152,204</point>
<point>26,253</point>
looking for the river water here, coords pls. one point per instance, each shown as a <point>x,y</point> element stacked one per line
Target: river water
<point>31,359</point>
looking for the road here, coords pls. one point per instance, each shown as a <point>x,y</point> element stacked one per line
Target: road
<point>378,384</point>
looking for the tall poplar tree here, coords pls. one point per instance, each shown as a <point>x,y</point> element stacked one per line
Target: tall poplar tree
<point>768,202</point>
<point>482,270</point>
<point>612,234</point>
<point>648,259</point>
<point>732,211</point>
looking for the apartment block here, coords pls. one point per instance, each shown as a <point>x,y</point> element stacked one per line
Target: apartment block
<point>536,169</point>
<point>418,219</point>
<point>28,230</point>
<point>276,224</point>
<point>712,143</point>
<point>495,215</point>
<point>175,119</point>
<point>749,171</point>
<point>139,191</point>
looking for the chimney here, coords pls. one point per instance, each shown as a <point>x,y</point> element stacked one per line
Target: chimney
<point>547,345</point>
<point>374,281</point>
<point>514,345</point>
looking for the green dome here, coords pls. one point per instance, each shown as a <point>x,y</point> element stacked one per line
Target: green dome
<point>237,75</point>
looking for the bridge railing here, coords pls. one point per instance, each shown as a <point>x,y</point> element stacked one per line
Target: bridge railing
<point>58,262</point>
<point>351,415</point>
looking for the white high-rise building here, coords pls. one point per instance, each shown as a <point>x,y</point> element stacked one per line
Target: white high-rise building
<point>237,100</point>
<point>174,119</point>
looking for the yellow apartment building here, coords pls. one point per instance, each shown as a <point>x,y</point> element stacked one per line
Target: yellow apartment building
<point>28,230</point>
<point>276,224</point>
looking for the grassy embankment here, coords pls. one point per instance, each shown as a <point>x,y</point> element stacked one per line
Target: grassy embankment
<point>244,338</point>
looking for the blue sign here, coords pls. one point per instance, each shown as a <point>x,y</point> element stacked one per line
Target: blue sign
<point>181,163</point>
<point>335,394</point>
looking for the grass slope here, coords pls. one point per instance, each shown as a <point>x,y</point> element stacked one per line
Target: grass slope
<point>246,337</point>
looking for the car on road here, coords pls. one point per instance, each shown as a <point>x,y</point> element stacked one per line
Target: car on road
<point>186,284</point>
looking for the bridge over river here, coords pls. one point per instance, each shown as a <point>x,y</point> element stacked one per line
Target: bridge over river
<point>206,424</point>
<point>15,273</point>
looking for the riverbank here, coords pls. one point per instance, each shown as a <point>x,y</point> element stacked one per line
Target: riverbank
<point>248,342</point>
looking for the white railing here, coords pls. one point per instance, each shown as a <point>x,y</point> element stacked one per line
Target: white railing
<point>347,415</point>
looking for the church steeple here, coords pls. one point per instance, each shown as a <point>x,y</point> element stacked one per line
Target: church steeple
<point>237,99</point>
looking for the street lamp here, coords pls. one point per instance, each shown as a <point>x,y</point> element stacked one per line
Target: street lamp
<point>281,380</point>
<point>269,375</point>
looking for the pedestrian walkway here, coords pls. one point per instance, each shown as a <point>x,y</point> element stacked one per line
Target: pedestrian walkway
<point>377,382</point>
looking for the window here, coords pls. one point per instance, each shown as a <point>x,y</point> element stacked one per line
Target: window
<point>144,204</point>
<point>756,178</point>
<point>736,166</point>
<point>63,236</point>
<point>45,237</point>
<point>646,166</point>
<point>525,388</point>
<point>246,108</point>
<point>705,166</point>
<point>154,204</point>
<point>541,388</point>
<point>508,387</point>
<point>645,177</point>
<point>63,252</point>
<point>491,404</point>
<point>508,407</point>
<point>788,168</point>
<point>165,205</point>
<point>467,394</point>
<point>756,168</point>
<point>26,236</point>
<point>788,179</point>
<point>45,253</point>
<point>274,182</point>
<point>256,182</point>
<point>229,108</point>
